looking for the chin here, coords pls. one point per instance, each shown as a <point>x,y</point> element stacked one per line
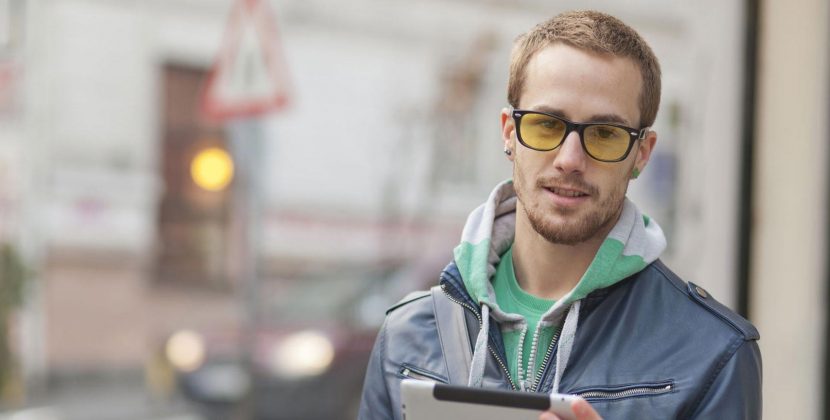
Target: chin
<point>563,232</point>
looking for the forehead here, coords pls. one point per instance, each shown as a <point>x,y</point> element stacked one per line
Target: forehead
<point>582,84</point>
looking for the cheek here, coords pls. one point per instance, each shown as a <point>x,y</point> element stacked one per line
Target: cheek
<point>622,181</point>
<point>524,175</point>
<point>529,162</point>
<point>615,182</point>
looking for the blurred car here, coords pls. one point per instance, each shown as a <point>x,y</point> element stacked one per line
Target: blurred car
<point>304,355</point>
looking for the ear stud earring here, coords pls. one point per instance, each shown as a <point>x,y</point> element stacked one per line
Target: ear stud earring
<point>507,151</point>
<point>635,173</point>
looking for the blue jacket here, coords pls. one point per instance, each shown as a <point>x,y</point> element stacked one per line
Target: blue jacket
<point>650,346</point>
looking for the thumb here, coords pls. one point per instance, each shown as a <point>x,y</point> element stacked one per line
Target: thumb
<point>584,411</point>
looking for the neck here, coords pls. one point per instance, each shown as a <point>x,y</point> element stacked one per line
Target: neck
<point>546,269</point>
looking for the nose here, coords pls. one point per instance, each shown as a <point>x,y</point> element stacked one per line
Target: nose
<point>569,156</point>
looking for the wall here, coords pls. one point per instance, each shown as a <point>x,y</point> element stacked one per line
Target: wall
<point>788,273</point>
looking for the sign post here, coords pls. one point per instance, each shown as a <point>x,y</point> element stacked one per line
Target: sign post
<point>248,81</point>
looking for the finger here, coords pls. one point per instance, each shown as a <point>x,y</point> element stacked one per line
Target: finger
<point>547,415</point>
<point>584,411</point>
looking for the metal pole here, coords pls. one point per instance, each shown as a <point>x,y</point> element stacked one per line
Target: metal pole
<point>246,147</point>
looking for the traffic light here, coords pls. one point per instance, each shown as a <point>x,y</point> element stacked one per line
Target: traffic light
<point>212,169</point>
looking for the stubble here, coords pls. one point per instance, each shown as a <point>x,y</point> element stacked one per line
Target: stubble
<point>567,226</point>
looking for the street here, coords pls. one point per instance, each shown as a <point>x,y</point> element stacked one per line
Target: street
<point>103,399</point>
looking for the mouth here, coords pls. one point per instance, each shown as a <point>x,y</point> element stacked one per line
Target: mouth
<point>567,192</point>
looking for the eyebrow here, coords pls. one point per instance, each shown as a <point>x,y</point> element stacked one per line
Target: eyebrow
<point>597,118</point>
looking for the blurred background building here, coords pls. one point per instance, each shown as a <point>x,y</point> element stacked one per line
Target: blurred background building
<point>144,293</point>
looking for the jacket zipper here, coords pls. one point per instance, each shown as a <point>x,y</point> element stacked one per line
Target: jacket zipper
<point>410,372</point>
<point>537,380</point>
<point>635,391</point>
<point>553,342</point>
<point>480,324</point>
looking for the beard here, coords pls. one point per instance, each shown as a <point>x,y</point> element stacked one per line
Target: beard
<point>570,228</point>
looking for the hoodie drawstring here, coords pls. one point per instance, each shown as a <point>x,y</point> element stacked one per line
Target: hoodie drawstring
<point>566,343</point>
<point>480,352</point>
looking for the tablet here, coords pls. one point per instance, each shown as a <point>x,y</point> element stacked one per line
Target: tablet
<point>424,400</point>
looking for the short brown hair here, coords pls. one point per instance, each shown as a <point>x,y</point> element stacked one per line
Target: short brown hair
<point>596,32</point>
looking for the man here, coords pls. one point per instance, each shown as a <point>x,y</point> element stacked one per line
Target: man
<point>557,285</point>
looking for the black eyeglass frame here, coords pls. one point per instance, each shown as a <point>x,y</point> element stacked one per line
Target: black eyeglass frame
<point>580,129</point>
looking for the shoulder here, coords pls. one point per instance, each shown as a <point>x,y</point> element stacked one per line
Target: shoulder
<point>706,301</point>
<point>409,299</point>
<point>691,300</point>
<point>411,314</point>
<point>422,299</point>
<point>661,301</point>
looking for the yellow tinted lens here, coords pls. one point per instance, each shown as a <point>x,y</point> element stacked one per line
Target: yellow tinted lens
<point>606,142</point>
<point>541,131</point>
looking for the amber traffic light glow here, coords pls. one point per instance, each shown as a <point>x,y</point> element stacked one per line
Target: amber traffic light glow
<point>212,169</point>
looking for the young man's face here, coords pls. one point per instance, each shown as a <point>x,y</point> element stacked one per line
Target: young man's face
<point>565,195</point>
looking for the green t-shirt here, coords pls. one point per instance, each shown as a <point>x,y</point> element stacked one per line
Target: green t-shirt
<point>512,299</point>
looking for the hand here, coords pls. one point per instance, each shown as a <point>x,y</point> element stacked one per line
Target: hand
<point>580,407</point>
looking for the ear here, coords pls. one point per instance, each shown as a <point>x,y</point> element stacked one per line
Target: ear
<point>508,132</point>
<point>643,152</point>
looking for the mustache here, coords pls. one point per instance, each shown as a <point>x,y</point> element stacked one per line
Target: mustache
<point>569,181</point>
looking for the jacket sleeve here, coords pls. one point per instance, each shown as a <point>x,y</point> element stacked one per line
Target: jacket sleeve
<point>736,390</point>
<point>375,403</point>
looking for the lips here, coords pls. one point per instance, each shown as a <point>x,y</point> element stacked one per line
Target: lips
<point>567,192</point>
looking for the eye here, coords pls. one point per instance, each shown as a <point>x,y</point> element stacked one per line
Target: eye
<point>550,124</point>
<point>606,133</point>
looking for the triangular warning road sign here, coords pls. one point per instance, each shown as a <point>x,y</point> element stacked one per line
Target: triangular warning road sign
<point>250,76</point>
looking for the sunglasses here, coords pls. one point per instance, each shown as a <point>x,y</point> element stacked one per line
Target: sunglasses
<point>601,141</point>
